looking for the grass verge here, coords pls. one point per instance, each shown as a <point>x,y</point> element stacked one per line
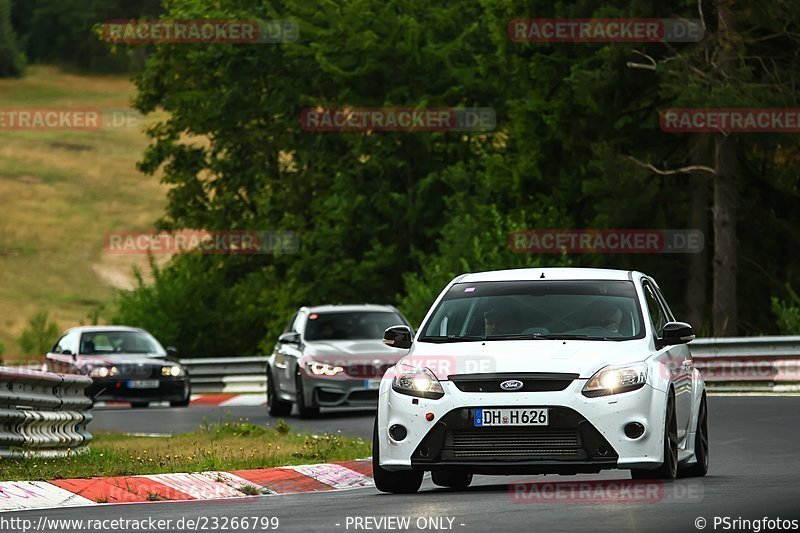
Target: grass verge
<point>220,446</point>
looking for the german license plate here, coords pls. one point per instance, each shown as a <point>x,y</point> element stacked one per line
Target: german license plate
<point>372,384</point>
<point>143,384</point>
<point>511,417</point>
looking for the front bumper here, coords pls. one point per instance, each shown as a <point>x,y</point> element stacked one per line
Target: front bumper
<point>362,392</point>
<point>119,390</point>
<point>584,434</point>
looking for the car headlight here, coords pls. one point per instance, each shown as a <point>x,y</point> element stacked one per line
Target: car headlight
<point>323,369</point>
<point>171,371</point>
<point>100,372</point>
<point>616,379</point>
<point>416,381</point>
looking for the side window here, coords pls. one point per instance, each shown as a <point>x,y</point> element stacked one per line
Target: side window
<point>670,316</point>
<point>657,315</point>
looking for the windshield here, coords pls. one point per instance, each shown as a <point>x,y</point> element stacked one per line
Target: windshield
<point>595,310</point>
<point>350,326</point>
<point>108,342</point>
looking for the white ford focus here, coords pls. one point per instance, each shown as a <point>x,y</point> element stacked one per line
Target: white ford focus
<point>532,371</point>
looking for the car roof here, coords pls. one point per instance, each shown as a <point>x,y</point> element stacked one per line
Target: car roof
<point>350,308</point>
<point>89,329</point>
<point>558,274</point>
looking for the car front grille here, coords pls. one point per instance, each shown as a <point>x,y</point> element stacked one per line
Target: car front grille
<point>531,382</point>
<point>526,444</point>
<point>367,370</point>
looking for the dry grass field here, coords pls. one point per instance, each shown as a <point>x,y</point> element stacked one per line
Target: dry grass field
<point>60,192</point>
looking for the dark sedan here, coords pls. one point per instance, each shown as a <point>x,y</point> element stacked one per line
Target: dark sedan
<point>126,365</point>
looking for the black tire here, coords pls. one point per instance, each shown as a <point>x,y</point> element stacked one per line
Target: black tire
<point>400,482</point>
<point>700,468</point>
<point>669,468</point>
<point>140,405</point>
<point>275,405</point>
<point>451,480</point>
<point>185,401</point>
<point>304,410</point>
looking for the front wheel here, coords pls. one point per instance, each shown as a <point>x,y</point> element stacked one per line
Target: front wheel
<point>451,480</point>
<point>185,401</point>
<point>669,468</point>
<point>400,482</point>
<point>700,468</point>
<point>305,410</point>
<point>276,406</point>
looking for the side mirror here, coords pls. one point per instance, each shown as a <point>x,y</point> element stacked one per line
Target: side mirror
<point>676,333</point>
<point>289,338</point>
<point>172,352</point>
<point>398,337</point>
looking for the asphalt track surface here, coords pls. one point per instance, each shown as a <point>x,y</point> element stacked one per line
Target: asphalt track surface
<point>755,473</point>
<point>167,420</point>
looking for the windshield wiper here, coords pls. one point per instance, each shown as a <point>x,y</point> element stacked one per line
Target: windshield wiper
<point>581,337</point>
<point>516,337</point>
<point>452,338</point>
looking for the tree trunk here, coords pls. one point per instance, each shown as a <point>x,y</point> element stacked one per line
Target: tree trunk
<point>725,192</point>
<point>697,267</point>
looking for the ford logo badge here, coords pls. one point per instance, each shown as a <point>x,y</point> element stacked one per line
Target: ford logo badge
<point>511,384</point>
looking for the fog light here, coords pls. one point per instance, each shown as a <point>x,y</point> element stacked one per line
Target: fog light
<point>398,432</point>
<point>634,430</point>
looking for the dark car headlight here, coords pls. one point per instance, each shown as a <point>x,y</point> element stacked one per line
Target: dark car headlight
<point>173,371</point>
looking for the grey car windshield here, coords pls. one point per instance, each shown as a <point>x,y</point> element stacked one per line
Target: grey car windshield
<point>606,310</point>
<point>108,342</point>
<point>349,325</point>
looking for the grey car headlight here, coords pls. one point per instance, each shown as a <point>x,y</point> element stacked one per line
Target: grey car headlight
<point>616,379</point>
<point>323,369</point>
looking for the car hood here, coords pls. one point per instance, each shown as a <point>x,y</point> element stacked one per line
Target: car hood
<point>580,357</point>
<point>355,350</point>
<point>122,359</point>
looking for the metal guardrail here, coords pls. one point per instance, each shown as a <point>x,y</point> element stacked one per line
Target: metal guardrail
<point>749,364</point>
<point>237,375</point>
<point>728,364</point>
<point>42,413</point>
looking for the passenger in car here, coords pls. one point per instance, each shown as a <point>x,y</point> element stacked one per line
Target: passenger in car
<point>605,315</point>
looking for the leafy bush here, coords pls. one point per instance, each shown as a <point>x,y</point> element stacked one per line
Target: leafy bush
<point>788,312</point>
<point>39,335</point>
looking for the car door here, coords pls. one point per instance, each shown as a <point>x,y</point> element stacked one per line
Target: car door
<point>685,375</point>
<point>673,357</point>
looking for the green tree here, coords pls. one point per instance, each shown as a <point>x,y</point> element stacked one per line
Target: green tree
<point>11,59</point>
<point>39,335</point>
